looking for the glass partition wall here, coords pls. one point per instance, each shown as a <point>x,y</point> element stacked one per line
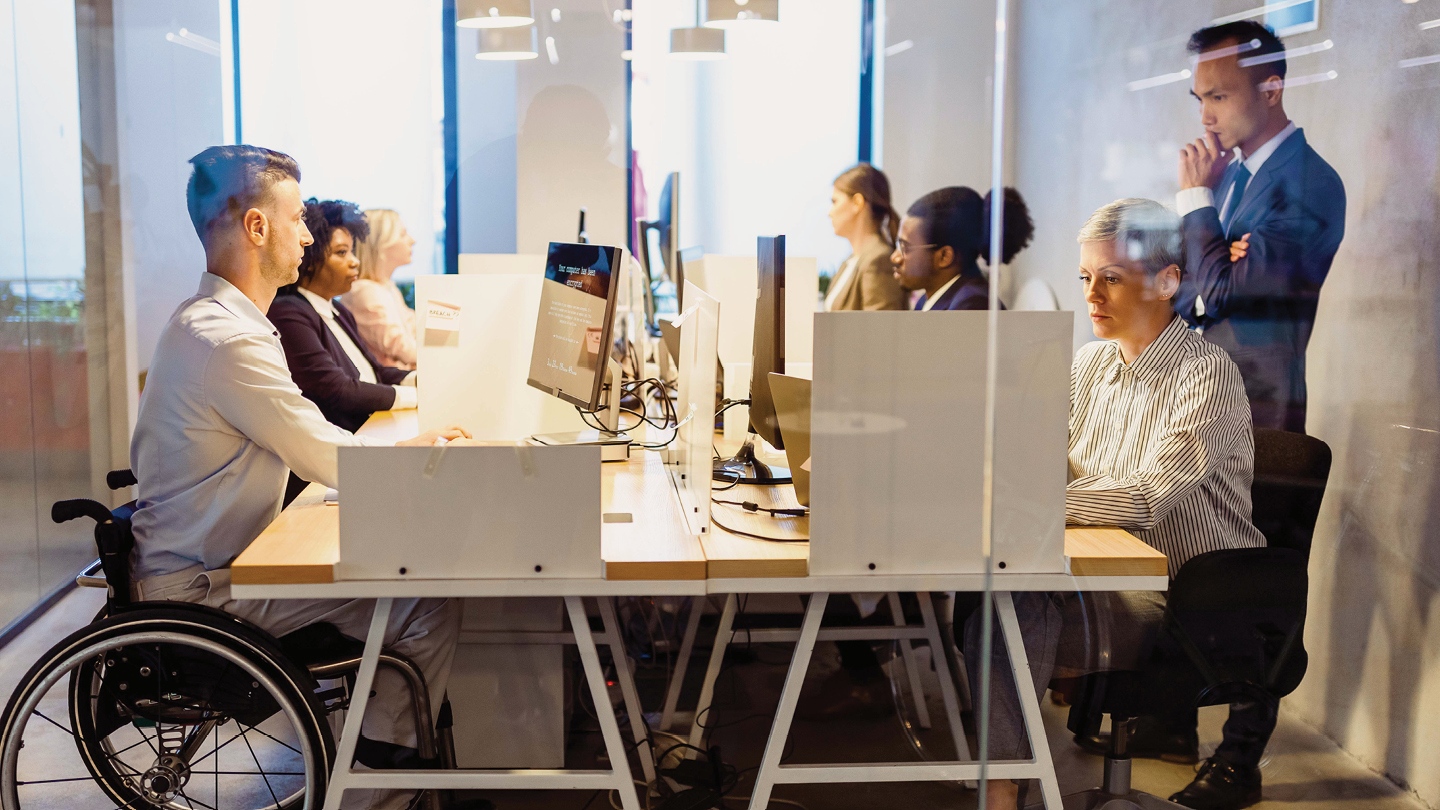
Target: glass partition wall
<point>1308,254</point>
<point>50,438</point>
<point>1139,173</point>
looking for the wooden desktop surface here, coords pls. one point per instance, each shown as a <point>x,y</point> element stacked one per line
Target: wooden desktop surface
<point>302,545</point>
<point>1089,550</point>
<point>644,536</point>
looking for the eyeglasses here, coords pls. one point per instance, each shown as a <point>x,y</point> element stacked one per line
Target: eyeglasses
<point>906,247</point>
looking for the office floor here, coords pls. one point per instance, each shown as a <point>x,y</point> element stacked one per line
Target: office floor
<point>1304,770</point>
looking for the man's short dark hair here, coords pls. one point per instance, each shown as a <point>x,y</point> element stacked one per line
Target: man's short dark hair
<point>323,218</point>
<point>227,181</point>
<point>1263,61</point>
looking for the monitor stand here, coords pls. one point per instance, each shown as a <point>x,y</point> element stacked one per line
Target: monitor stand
<point>745,468</point>
<point>614,445</point>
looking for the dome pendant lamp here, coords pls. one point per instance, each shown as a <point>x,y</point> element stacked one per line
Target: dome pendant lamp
<point>740,13</point>
<point>697,44</point>
<point>493,13</point>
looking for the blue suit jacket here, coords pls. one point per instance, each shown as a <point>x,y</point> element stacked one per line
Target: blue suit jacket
<point>971,291</point>
<point>1261,309</point>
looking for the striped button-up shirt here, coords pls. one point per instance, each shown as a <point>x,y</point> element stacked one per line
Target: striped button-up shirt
<point>1162,446</point>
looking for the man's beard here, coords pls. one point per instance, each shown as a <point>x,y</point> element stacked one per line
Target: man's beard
<point>278,272</point>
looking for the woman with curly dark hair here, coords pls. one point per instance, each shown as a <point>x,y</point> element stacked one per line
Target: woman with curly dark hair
<point>327,359</point>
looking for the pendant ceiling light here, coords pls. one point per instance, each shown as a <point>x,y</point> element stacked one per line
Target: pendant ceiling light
<point>736,13</point>
<point>507,44</point>
<point>697,44</point>
<point>493,13</point>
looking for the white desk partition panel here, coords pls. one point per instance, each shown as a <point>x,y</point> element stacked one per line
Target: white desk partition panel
<point>692,451</point>
<point>897,442</point>
<point>475,375</point>
<point>522,263</point>
<point>734,282</point>
<point>496,512</point>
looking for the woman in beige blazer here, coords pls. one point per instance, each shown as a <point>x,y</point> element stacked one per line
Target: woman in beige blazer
<point>860,211</point>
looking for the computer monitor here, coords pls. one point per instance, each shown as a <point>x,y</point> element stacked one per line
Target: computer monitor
<point>668,223</point>
<point>574,332</point>
<point>767,356</point>
<point>666,226</point>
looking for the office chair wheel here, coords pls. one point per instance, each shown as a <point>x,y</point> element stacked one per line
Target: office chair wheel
<point>165,708</point>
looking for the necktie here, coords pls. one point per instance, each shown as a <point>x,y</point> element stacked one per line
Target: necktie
<point>1232,202</point>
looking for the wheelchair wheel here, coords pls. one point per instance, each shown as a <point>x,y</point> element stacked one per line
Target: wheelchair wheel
<point>165,708</point>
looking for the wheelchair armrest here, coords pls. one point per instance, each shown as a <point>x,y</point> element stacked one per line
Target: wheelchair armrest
<point>92,577</point>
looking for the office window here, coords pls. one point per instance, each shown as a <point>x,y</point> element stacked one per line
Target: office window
<point>759,136</point>
<point>352,89</point>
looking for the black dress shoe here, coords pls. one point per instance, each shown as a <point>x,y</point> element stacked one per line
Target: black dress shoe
<point>1221,786</point>
<point>1149,740</point>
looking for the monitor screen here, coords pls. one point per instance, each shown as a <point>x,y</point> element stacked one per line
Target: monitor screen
<point>769,344</point>
<point>577,312</point>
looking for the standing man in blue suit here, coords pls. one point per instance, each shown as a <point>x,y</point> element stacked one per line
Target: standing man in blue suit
<point>1263,215</point>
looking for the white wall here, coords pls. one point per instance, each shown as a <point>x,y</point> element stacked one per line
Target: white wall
<point>757,137</point>
<point>352,89</point>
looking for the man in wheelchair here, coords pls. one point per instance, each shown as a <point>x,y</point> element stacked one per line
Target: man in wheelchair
<point>221,425</point>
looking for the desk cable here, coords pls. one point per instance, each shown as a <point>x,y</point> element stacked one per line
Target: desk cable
<point>717,522</point>
<point>751,506</point>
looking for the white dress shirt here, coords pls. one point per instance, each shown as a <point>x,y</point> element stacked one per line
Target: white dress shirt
<point>1162,446</point>
<point>406,395</point>
<point>1193,199</point>
<point>931,299</point>
<point>839,285</point>
<point>221,424</point>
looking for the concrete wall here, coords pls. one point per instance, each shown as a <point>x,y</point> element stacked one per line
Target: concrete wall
<point>1084,139</point>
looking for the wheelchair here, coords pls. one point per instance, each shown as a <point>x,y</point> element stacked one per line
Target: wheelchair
<point>184,707</point>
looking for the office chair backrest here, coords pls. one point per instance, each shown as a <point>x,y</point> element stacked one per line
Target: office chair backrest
<point>1291,470</point>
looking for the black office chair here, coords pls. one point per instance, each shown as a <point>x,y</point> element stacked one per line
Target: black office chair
<point>1234,621</point>
<point>151,688</point>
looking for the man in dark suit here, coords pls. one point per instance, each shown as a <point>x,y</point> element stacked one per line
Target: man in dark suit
<point>1263,215</point>
<point>942,239</point>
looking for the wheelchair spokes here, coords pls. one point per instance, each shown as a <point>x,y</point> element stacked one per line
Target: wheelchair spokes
<point>144,721</point>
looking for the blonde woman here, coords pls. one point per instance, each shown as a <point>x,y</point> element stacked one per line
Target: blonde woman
<point>387,325</point>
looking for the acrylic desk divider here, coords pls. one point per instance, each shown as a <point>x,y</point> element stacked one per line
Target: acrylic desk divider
<point>897,442</point>
<point>505,512</point>
<point>689,457</point>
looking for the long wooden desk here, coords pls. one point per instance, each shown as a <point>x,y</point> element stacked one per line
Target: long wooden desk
<point>302,545</point>
<point>654,554</point>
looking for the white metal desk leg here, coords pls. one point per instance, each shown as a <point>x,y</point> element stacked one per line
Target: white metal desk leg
<point>789,696</point>
<point>1029,705</point>
<point>609,729</point>
<point>942,673</point>
<point>355,714</point>
<point>627,686</point>
<point>712,672</point>
<point>682,663</point>
<point>912,671</point>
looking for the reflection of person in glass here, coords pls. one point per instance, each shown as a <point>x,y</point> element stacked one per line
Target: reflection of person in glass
<point>1176,472</point>
<point>943,237</point>
<point>1263,217</point>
